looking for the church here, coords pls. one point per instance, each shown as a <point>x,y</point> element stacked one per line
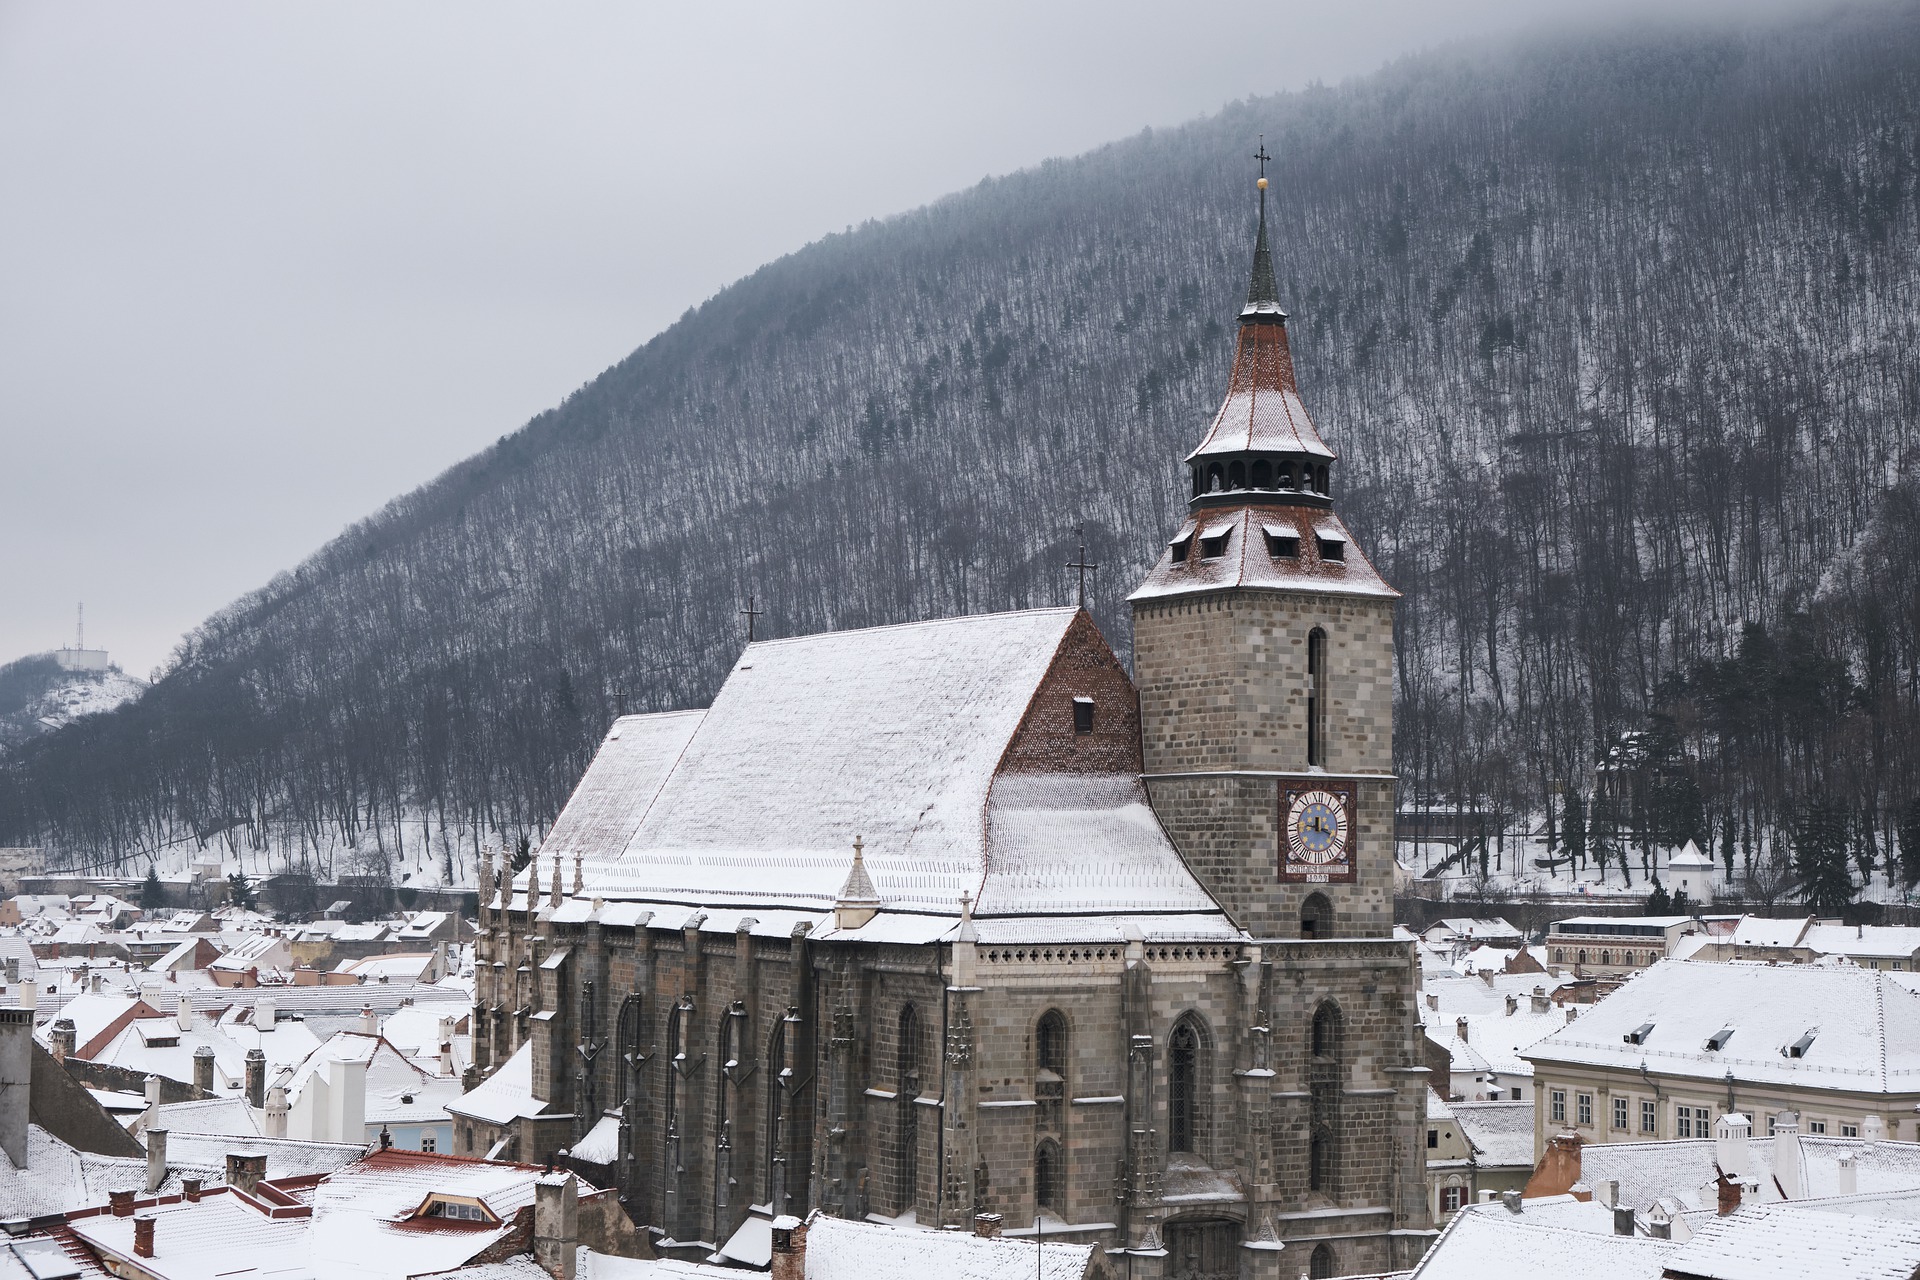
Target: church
<point>934,922</point>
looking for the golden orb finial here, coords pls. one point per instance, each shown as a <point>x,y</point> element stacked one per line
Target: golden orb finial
<point>1262,184</point>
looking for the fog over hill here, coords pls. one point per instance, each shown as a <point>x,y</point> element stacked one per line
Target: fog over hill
<point>1615,335</point>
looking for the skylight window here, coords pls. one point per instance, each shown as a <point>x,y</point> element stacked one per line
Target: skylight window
<point>1798,1049</point>
<point>1718,1040</point>
<point>455,1210</point>
<point>1283,541</point>
<point>1214,547</point>
<point>1639,1034</point>
<point>1332,547</point>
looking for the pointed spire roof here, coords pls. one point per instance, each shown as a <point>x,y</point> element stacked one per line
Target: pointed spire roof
<point>858,890</point>
<point>1263,291</point>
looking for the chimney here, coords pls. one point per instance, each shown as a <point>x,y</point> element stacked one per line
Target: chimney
<point>16,1082</point>
<point>369,1023</point>
<point>1872,1129</point>
<point>556,1231</point>
<point>266,1012</point>
<point>245,1171</point>
<point>1572,1013</point>
<point>121,1203</point>
<point>1788,1169</point>
<point>1582,1192</point>
<point>987,1225</point>
<point>1659,1228</point>
<point>143,1236</point>
<point>183,1012</point>
<point>190,1188</point>
<point>156,1159</point>
<point>1460,1029</point>
<point>1623,1220</point>
<point>1513,1005</point>
<point>60,1040</point>
<point>1730,1145</point>
<point>1610,1193</point>
<point>95,983</point>
<point>1486,976</point>
<point>1433,1002</point>
<point>29,995</point>
<point>789,1248</point>
<point>1728,1198</point>
<point>276,1109</point>
<point>203,1068</point>
<point>1540,1002</point>
<point>346,1101</point>
<point>1849,1177</point>
<point>1511,1199</point>
<point>256,1077</point>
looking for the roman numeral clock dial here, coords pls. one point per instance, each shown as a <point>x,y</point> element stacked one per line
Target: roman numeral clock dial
<point>1316,824</point>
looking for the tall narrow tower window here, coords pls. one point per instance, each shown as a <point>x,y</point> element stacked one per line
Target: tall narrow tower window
<point>1316,697</point>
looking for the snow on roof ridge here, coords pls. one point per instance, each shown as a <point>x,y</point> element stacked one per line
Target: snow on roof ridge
<point>958,618</point>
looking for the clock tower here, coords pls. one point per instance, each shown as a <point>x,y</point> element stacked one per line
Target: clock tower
<point>1263,653</point>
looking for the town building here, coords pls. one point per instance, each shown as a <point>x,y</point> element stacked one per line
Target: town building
<point>954,918</point>
<point>1686,1041</point>
<point>1618,945</point>
<point>1475,1148</point>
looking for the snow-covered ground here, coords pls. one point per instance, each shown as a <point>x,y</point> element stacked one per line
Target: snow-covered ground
<point>84,693</point>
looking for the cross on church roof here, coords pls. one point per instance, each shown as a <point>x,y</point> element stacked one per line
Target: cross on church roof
<point>1081,563</point>
<point>1262,156</point>
<point>750,613</point>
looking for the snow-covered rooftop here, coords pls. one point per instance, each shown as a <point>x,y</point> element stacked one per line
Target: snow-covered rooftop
<point>1487,1242</point>
<point>1864,1028</point>
<point>1247,560</point>
<point>1787,1242</point>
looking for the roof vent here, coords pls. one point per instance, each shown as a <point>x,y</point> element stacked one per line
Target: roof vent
<point>1639,1034</point>
<point>1798,1049</point>
<point>1718,1040</point>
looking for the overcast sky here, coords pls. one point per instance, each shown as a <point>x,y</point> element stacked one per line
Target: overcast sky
<point>264,267</point>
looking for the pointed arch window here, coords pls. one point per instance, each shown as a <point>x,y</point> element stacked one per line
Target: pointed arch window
<point>676,1061</point>
<point>779,1079</point>
<point>1186,1074</point>
<point>1050,1070</point>
<point>1316,697</point>
<point>1049,1181</point>
<point>1320,1265</point>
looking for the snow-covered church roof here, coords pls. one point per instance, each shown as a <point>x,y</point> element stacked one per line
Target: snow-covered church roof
<point>898,735</point>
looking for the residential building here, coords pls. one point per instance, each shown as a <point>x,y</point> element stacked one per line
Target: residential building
<point>1686,1041</point>
<point>1619,945</point>
<point>1474,1148</point>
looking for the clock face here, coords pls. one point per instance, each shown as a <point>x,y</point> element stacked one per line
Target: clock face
<point>1317,827</point>
<point>1317,822</point>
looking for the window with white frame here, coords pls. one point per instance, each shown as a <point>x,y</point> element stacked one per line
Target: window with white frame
<point>1816,1126</point>
<point>1620,1113</point>
<point>1649,1117</point>
<point>1557,1106</point>
<point>1692,1122</point>
<point>1849,1130</point>
<point>1583,1108</point>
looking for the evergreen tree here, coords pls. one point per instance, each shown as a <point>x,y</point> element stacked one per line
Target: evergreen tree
<point>153,895</point>
<point>522,855</point>
<point>1727,842</point>
<point>1658,903</point>
<point>1909,833</point>
<point>240,889</point>
<point>1680,904</point>
<point>1820,857</point>
<point>1574,828</point>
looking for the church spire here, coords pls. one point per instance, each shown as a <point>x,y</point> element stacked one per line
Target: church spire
<point>1263,292</point>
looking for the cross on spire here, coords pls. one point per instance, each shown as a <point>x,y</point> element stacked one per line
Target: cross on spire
<point>1262,156</point>
<point>750,613</point>
<point>1082,564</point>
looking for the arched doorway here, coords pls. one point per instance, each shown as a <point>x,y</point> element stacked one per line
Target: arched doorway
<point>1203,1248</point>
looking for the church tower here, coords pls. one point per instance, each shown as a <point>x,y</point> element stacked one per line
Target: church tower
<point>1263,653</point>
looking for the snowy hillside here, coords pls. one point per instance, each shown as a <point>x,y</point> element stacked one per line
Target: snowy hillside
<point>37,696</point>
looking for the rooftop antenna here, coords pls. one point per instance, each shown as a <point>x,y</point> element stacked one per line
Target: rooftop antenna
<point>1081,563</point>
<point>80,625</point>
<point>750,613</point>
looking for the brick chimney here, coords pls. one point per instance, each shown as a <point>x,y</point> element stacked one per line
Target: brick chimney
<point>203,1068</point>
<point>1559,1168</point>
<point>121,1202</point>
<point>244,1172</point>
<point>1623,1220</point>
<point>1728,1195</point>
<point>556,1230</point>
<point>1460,1029</point>
<point>1513,1005</point>
<point>143,1236</point>
<point>986,1225</point>
<point>1540,1002</point>
<point>789,1248</point>
<point>256,1077</point>
<point>60,1040</point>
<point>190,1188</point>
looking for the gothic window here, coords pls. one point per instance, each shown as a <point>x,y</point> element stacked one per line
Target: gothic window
<point>1237,476</point>
<point>907,1131</point>
<point>1316,917</point>
<point>1327,1031</point>
<point>1048,1179</point>
<point>1263,474</point>
<point>1186,1076</point>
<point>1320,1267</point>
<point>1316,696</point>
<point>676,1058</point>
<point>1050,1070</point>
<point>732,1028</point>
<point>1320,1160</point>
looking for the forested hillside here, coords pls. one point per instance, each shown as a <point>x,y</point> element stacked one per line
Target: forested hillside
<point>1615,334</point>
